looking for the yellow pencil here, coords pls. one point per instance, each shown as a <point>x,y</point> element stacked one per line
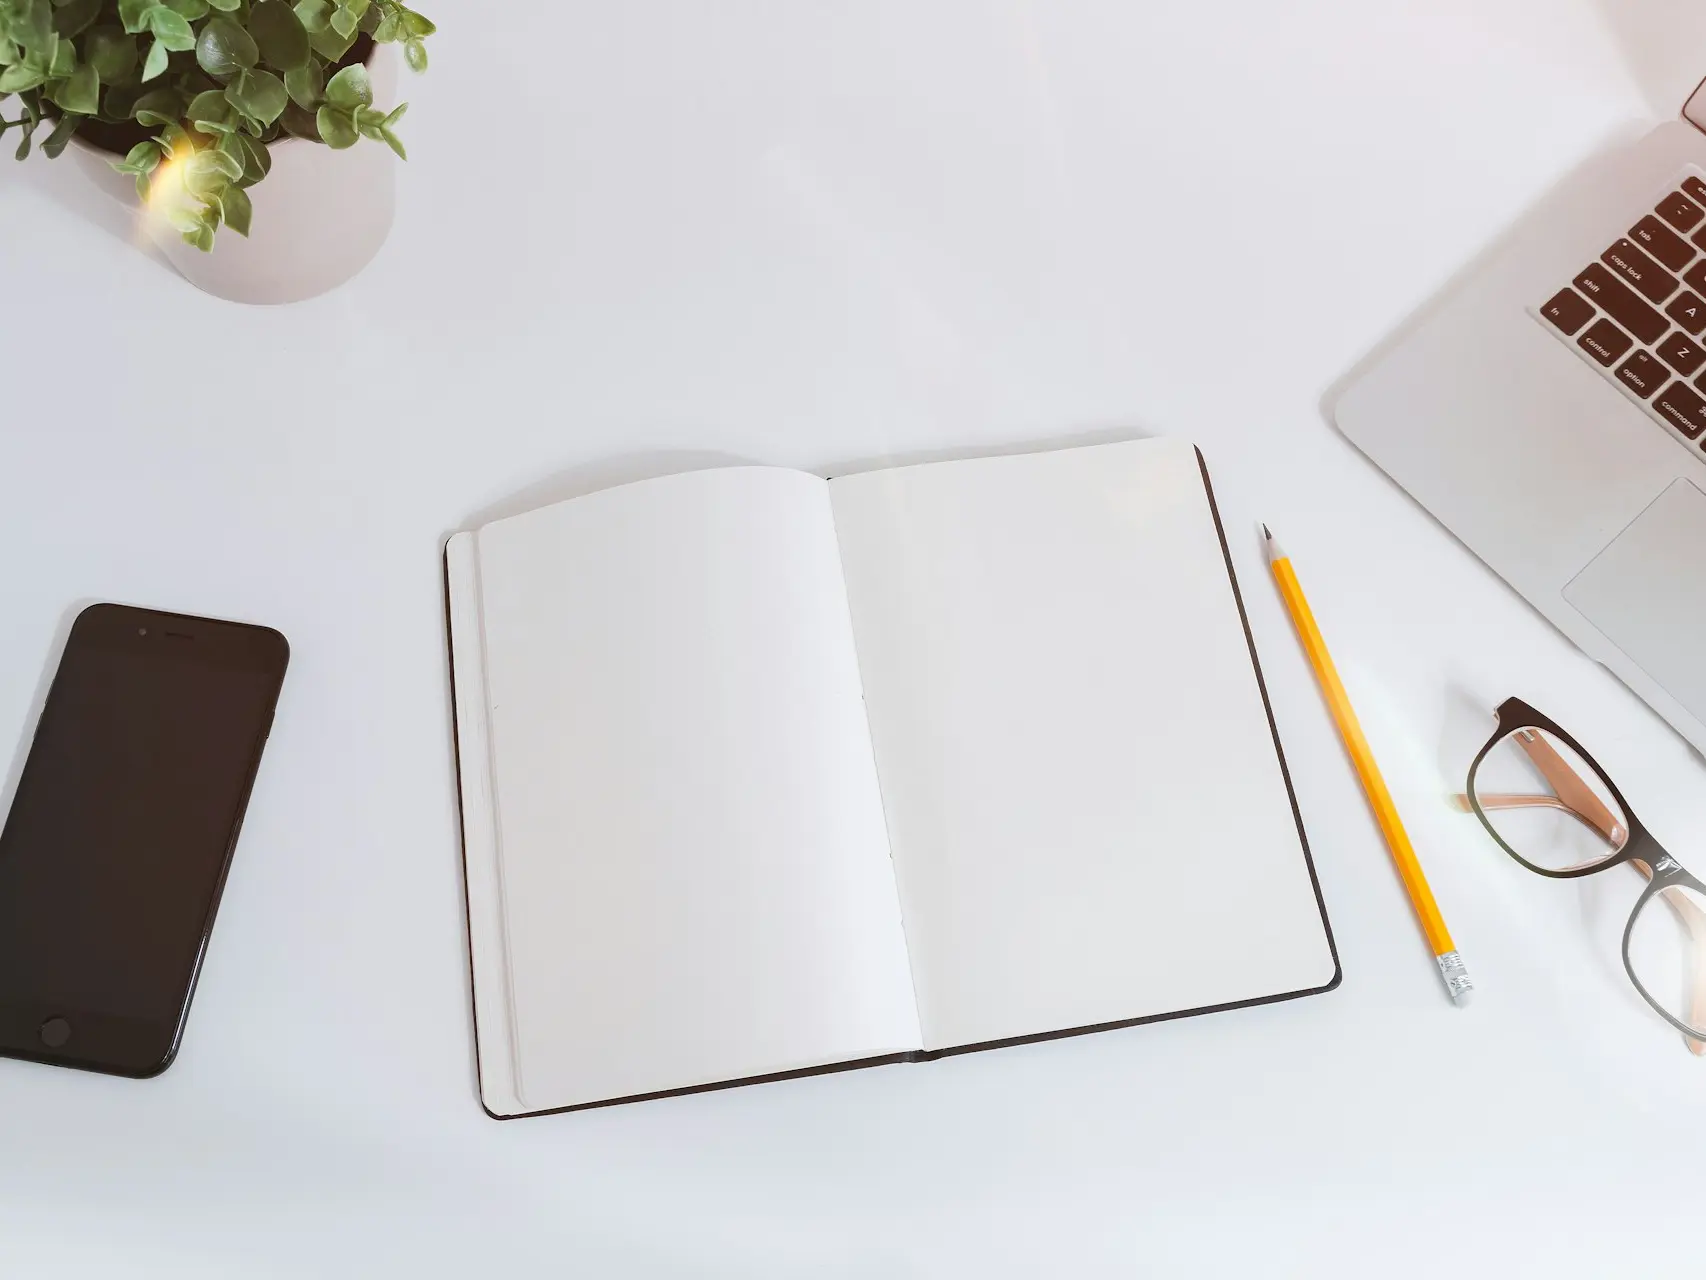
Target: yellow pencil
<point>1379,798</point>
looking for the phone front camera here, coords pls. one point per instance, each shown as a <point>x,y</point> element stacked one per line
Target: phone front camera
<point>142,631</point>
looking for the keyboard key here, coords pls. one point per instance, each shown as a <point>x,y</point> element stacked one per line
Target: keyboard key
<point>1682,408</point>
<point>1681,354</point>
<point>1604,342</point>
<point>1620,302</point>
<point>1695,189</point>
<point>1640,270</point>
<point>1642,374</point>
<point>1568,310</point>
<point>1688,309</point>
<point>1695,278</point>
<point>1681,212</point>
<point>1663,243</point>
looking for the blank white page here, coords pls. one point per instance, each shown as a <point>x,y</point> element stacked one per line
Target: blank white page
<point>695,877</point>
<point>1084,798</point>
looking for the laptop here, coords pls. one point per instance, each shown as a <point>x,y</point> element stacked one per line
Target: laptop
<point>1550,411</point>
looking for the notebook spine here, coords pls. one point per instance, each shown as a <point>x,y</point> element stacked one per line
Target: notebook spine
<point>487,945</point>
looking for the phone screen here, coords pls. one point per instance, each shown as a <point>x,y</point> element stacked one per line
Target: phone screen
<point>116,847</point>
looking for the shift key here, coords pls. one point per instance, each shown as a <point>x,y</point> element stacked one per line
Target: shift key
<point>1621,303</point>
<point>1679,406</point>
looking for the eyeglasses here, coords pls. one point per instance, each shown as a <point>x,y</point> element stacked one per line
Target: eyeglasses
<point>1553,809</point>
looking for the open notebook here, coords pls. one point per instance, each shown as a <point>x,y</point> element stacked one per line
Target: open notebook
<point>766,774</point>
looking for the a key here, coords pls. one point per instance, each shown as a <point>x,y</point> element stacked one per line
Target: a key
<point>1688,309</point>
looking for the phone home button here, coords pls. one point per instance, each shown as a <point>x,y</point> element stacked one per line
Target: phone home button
<point>55,1032</point>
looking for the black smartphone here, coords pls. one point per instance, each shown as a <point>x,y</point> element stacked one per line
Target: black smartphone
<point>121,832</point>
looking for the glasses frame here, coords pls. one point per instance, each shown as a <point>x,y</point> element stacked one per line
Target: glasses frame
<point>1639,847</point>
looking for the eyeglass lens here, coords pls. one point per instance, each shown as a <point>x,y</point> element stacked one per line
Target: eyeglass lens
<point>1546,804</point>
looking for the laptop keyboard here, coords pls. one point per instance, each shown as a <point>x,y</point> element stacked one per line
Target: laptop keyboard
<point>1638,315</point>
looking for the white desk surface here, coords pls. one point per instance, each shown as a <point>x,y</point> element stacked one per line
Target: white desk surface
<point>645,236</point>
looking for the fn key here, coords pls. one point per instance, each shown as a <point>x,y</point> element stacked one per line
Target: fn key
<point>1568,310</point>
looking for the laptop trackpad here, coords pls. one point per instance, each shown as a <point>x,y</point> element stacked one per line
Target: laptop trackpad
<point>1647,592</point>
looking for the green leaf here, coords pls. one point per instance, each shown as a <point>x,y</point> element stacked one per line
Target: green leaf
<point>345,23</point>
<point>111,53</point>
<point>389,30</point>
<point>171,29</point>
<point>61,135</point>
<point>224,49</point>
<point>415,54</point>
<point>259,95</point>
<point>33,28</point>
<point>210,112</point>
<point>121,99</point>
<point>19,77</point>
<point>225,6</point>
<point>282,38</point>
<point>396,115</point>
<point>257,159</point>
<point>63,60</point>
<point>80,93</point>
<point>155,64</point>
<point>143,158</point>
<point>316,15</point>
<point>189,10</point>
<point>158,108</point>
<point>204,173</point>
<point>72,19</point>
<point>304,85</point>
<point>417,26</point>
<point>394,142</point>
<point>337,128</point>
<point>299,123</point>
<point>134,14</point>
<point>237,209</point>
<point>23,151</point>
<point>350,89</point>
<point>329,44</point>
<point>369,122</point>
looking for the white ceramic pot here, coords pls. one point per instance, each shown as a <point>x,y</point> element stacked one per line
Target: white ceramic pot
<point>320,215</point>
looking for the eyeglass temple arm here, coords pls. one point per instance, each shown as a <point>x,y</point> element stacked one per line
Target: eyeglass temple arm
<point>1577,796</point>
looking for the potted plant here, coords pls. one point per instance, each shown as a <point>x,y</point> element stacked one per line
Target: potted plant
<point>227,114</point>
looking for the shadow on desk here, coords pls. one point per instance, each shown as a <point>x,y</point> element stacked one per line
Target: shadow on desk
<point>1584,183</point>
<point>1663,43</point>
<point>71,190</point>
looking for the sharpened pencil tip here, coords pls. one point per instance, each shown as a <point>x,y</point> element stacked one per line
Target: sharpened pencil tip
<point>1267,533</point>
